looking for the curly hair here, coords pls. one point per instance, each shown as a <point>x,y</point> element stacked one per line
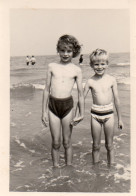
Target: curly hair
<point>69,39</point>
<point>97,54</point>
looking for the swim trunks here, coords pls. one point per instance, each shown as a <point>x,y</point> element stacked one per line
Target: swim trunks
<point>60,106</point>
<point>102,113</point>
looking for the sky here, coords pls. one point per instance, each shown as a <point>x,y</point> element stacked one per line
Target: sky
<point>36,31</point>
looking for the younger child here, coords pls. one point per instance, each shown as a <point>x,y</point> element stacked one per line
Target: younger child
<point>103,89</point>
<point>57,100</point>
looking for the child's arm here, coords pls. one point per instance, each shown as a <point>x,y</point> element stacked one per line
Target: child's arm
<point>79,114</point>
<point>117,104</point>
<point>86,89</point>
<point>45,98</point>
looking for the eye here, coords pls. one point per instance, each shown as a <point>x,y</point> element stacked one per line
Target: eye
<point>69,51</point>
<point>61,50</point>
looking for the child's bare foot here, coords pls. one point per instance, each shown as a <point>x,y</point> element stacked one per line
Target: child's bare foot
<point>56,166</point>
<point>112,167</point>
<point>96,166</point>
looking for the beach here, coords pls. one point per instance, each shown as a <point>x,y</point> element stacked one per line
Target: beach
<point>31,167</point>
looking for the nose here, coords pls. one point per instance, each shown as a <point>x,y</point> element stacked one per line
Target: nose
<point>65,53</point>
<point>99,66</point>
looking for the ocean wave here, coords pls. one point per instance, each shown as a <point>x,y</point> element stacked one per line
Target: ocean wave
<point>42,86</point>
<point>39,86</point>
<point>123,64</point>
<point>30,85</point>
<point>123,80</point>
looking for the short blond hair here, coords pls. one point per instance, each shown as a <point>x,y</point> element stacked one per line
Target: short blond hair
<point>97,54</point>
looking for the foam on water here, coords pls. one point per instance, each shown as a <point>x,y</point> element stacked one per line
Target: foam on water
<point>12,124</point>
<point>125,176</point>
<point>52,179</point>
<point>24,146</point>
<point>28,114</point>
<point>32,151</point>
<point>79,143</point>
<point>121,80</point>
<point>19,164</point>
<point>15,170</point>
<point>42,177</point>
<point>116,138</point>
<point>124,64</point>
<point>39,86</point>
<point>123,134</point>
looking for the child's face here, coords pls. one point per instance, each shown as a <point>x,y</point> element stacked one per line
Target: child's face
<point>100,66</point>
<point>66,53</point>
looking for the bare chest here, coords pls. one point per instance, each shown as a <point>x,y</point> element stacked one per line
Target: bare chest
<point>101,87</point>
<point>63,74</point>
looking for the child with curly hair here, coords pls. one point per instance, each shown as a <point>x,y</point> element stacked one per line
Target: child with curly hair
<point>57,104</point>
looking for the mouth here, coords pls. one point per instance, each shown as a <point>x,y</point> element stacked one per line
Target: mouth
<point>65,58</point>
<point>100,71</point>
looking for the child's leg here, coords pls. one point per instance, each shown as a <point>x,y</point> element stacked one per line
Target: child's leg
<point>55,128</point>
<point>67,131</point>
<point>96,129</point>
<point>109,132</point>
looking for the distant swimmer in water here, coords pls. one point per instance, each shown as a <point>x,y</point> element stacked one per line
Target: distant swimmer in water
<point>33,60</point>
<point>27,60</point>
<point>57,104</point>
<point>81,59</point>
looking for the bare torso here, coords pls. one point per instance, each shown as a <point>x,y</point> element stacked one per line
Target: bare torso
<point>63,78</point>
<point>101,89</point>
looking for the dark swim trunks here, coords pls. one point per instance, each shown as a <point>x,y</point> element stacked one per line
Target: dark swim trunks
<point>60,106</point>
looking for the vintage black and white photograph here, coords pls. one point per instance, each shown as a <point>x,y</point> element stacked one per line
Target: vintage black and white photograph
<point>70,100</point>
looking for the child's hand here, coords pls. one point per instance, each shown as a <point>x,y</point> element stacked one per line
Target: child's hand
<point>120,125</point>
<point>44,119</point>
<point>76,120</point>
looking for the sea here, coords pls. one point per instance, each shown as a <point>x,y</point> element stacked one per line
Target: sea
<point>31,167</point>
